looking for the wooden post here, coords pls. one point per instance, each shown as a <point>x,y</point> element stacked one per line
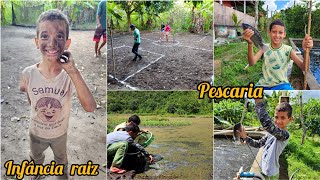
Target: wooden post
<point>307,53</point>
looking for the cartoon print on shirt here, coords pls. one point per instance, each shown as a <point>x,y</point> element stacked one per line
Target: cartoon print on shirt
<point>48,109</point>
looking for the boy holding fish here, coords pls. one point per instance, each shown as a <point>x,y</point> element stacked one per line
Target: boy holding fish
<point>276,55</point>
<point>275,140</point>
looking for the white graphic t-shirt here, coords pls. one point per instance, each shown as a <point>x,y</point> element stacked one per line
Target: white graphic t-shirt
<point>50,102</point>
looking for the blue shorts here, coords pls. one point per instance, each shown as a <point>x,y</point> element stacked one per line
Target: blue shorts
<point>284,86</point>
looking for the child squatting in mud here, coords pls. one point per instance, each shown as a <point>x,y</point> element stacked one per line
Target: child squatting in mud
<point>118,143</point>
<point>50,111</point>
<point>275,140</point>
<point>277,58</point>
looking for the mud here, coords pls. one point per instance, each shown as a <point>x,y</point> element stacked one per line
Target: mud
<point>179,64</point>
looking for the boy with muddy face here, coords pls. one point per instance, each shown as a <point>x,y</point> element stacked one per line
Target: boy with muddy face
<point>276,139</point>
<point>49,85</point>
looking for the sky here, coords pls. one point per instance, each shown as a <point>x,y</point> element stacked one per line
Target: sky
<point>274,5</point>
<point>306,95</point>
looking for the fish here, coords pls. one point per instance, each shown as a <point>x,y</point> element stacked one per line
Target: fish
<point>236,134</point>
<point>256,38</point>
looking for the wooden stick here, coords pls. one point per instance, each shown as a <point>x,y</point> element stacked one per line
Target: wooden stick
<point>307,56</point>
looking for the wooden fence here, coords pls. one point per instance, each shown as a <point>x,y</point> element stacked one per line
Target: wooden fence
<point>223,14</point>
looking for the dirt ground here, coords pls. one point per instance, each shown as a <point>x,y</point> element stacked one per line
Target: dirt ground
<point>180,64</point>
<point>87,131</point>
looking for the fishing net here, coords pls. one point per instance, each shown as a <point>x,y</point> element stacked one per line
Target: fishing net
<point>26,16</point>
<point>144,139</point>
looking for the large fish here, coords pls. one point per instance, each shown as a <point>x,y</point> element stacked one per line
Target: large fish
<point>256,38</point>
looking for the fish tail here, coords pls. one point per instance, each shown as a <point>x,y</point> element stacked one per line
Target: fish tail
<point>265,48</point>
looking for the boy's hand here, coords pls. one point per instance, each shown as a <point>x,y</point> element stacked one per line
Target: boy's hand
<point>307,42</point>
<point>247,34</point>
<point>151,158</point>
<point>69,66</point>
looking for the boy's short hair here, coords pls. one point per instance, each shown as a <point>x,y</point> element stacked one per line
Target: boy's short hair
<point>132,26</point>
<point>284,107</point>
<point>135,119</point>
<point>132,127</point>
<point>277,22</point>
<point>53,14</point>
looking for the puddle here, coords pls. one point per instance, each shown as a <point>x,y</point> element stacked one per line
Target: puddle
<point>186,151</point>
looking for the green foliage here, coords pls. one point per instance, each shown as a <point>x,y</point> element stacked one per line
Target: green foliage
<point>235,20</point>
<point>150,121</point>
<point>303,156</point>
<point>311,110</point>
<point>296,20</point>
<point>233,58</point>
<point>229,110</point>
<point>80,13</point>
<point>179,103</point>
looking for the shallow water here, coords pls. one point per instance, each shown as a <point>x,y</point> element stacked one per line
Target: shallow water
<point>230,156</point>
<point>314,62</point>
<point>186,150</point>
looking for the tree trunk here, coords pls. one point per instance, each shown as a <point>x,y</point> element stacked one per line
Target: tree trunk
<point>112,52</point>
<point>256,16</point>
<point>129,19</point>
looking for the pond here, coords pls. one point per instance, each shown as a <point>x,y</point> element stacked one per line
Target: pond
<point>229,157</point>
<point>187,151</point>
<point>314,56</point>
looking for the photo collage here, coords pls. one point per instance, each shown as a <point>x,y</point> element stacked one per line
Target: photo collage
<point>170,89</point>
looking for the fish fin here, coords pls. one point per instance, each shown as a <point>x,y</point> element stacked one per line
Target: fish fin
<point>265,48</point>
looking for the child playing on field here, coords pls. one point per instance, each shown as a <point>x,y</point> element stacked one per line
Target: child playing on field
<point>167,29</point>
<point>275,140</point>
<point>277,58</point>
<point>117,146</point>
<point>49,85</point>
<point>101,28</point>
<point>136,42</point>
<point>162,31</point>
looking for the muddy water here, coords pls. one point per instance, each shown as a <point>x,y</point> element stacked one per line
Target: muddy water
<point>186,150</point>
<point>229,157</point>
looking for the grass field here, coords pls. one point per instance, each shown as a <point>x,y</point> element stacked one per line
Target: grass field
<point>303,157</point>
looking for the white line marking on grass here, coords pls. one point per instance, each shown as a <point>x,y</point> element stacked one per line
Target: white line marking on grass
<point>143,68</point>
<point>117,47</point>
<point>138,71</point>
<point>124,83</point>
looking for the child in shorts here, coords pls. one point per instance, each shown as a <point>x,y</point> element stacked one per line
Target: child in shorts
<point>49,86</point>
<point>101,28</point>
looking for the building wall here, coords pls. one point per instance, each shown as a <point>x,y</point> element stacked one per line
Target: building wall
<point>223,14</point>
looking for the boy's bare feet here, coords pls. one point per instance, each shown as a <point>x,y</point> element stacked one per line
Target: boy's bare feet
<point>117,170</point>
